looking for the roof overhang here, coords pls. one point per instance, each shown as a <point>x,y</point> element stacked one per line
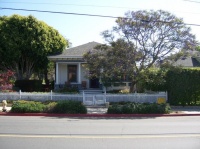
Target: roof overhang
<point>66,58</point>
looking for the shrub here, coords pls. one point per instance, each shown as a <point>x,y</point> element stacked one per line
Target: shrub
<point>69,107</point>
<point>139,108</point>
<point>113,91</point>
<point>22,106</point>
<point>6,80</point>
<point>124,91</point>
<point>29,85</point>
<point>115,109</point>
<point>69,90</point>
<point>49,106</point>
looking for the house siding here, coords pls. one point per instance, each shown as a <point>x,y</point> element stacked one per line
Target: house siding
<point>62,73</point>
<point>84,74</point>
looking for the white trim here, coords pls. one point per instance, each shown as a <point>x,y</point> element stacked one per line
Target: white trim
<point>78,64</point>
<point>57,73</point>
<point>79,72</point>
<point>72,56</point>
<point>75,63</point>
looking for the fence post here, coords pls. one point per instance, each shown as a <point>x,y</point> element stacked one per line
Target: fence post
<point>94,100</point>
<point>51,94</point>
<point>83,97</point>
<point>20,94</point>
<point>105,96</point>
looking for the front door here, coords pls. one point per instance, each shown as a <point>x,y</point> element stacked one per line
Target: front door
<point>94,83</point>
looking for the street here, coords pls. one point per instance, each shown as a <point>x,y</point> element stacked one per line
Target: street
<point>59,132</point>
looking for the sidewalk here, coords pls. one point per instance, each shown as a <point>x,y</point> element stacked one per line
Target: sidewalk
<point>186,110</point>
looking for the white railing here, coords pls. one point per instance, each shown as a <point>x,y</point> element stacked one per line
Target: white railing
<point>88,99</point>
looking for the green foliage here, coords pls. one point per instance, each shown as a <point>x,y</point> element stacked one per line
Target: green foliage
<point>139,40</point>
<point>70,107</point>
<point>65,107</point>
<point>138,108</point>
<point>69,90</point>
<point>49,106</point>
<point>22,106</point>
<point>25,44</point>
<point>183,86</point>
<point>154,79</point>
<point>124,91</point>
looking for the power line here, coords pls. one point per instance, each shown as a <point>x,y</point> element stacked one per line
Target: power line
<point>82,14</point>
<point>192,1</point>
<point>82,5</point>
<point>93,15</point>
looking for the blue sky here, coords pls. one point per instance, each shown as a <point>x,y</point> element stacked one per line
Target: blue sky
<point>83,29</point>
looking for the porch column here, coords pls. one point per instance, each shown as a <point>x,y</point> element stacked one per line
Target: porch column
<point>79,72</point>
<point>56,72</point>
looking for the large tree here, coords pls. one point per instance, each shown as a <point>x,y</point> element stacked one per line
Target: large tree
<point>136,43</point>
<point>25,44</point>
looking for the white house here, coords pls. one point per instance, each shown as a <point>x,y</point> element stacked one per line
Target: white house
<point>70,69</point>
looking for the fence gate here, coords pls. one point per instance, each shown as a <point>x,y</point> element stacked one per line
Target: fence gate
<point>94,99</point>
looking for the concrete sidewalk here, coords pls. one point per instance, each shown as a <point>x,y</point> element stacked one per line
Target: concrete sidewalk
<point>186,110</point>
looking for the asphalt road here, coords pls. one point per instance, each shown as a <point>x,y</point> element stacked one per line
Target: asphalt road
<point>59,133</point>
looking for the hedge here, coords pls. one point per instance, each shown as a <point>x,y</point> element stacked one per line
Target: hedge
<point>67,107</point>
<point>183,86</point>
<point>22,106</point>
<point>138,108</point>
<point>70,107</point>
<point>29,85</point>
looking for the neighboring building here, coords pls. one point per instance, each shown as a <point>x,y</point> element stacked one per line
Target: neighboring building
<point>70,70</point>
<point>188,61</point>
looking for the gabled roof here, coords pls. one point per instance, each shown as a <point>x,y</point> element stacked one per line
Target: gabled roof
<point>188,62</point>
<point>80,50</point>
<point>75,52</point>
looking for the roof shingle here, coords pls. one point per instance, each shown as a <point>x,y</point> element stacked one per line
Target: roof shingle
<point>187,62</point>
<point>79,50</point>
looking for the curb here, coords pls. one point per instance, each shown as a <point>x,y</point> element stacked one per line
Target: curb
<point>96,115</point>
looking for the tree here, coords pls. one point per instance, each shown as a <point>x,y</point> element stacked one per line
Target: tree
<point>25,44</point>
<point>136,43</point>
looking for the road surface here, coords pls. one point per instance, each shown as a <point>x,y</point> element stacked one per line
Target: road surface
<point>74,133</point>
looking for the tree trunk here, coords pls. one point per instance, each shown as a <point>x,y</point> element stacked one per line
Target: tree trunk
<point>133,87</point>
<point>46,76</point>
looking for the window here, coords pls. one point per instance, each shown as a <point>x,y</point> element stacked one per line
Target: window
<point>72,73</point>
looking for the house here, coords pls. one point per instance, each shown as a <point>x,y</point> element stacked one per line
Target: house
<point>188,61</point>
<point>69,69</point>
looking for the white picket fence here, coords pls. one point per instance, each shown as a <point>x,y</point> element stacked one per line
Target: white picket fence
<point>39,96</point>
<point>87,99</point>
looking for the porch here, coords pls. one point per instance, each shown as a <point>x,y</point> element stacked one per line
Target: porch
<point>74,75</point>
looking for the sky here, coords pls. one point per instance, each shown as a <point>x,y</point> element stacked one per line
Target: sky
<point>79,29</point>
